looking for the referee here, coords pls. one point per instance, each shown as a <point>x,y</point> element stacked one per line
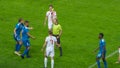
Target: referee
<point>57,31</point>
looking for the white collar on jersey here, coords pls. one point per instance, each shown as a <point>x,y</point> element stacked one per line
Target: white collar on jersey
<point>26,27</point>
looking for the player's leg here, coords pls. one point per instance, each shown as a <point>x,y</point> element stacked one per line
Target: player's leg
<point>52,58</point>
<point>17,45</point>
<point>25,52</point>
<point>98,59</point>
<point>104,60</point>
<point>16,51</point>
<point>52,62</point>
<point>45,58</point>
<point>60,48</point>
<point>19,42</point>
<point>98,62</point>
<point>28,44</point>
<point>27,47</point>
<point>45,62</point>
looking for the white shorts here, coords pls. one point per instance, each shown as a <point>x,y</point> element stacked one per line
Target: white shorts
<point>50,26</point>
<point>49,53</point>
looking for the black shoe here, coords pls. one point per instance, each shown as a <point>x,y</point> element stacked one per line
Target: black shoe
<point>22,57</point>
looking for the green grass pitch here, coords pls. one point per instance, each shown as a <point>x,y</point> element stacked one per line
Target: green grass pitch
<point>81,20</point>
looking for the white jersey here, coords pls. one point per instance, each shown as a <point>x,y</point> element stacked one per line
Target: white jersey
<point>50,42</point>
<point>50,45</point>
<point>49,14</point>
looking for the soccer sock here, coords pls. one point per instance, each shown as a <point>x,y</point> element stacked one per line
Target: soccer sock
<point>60,48</point>
<point>98,62</point>
<point>105,63</point>
<point>52,63</point>
<point>25,52</point>
<point>28,53</point>
<point>16,47</point>
<point>19,47</point>
<point>45,62</point>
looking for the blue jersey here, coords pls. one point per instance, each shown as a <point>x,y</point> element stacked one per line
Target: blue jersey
<point>102,45</point>
<point>25,36</point>
<point>19,27</point>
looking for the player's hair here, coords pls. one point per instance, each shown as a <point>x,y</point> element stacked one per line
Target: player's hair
<point>26,21</point>
<point>56,20</point>
<point>20,20</point>
<point>101,34</point>
<point>50,32</point>
<point>51,6</point>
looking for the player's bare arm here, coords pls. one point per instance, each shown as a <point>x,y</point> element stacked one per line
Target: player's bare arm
<point>96,49</point>
<point>15,31</point>
<point>57,44</point>
<point>31,36</point>
<point>30,28</point>
<point>60,33</point>
<point>45,20</point>
<point>44,45</point>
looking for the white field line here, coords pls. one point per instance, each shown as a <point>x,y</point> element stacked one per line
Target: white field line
<point>110,55</point>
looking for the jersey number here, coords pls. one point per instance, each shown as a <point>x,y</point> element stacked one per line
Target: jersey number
<point>51,41</point>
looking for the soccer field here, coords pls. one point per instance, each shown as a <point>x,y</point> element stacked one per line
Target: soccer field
<point>81,20</point>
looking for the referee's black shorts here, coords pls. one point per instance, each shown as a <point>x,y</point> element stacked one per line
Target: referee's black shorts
<point>58,39</point>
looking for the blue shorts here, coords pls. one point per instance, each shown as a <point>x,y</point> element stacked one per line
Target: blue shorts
<point>17,38</point>
<point>99,55</point>
<point>26,43</point>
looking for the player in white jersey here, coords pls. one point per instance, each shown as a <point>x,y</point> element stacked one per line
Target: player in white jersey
<point>50,15</point>
<point>50,41</point>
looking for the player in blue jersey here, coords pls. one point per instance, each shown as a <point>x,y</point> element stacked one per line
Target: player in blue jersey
<point>102,51</point>
<point>17,37</point>
<point>25,39</point>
